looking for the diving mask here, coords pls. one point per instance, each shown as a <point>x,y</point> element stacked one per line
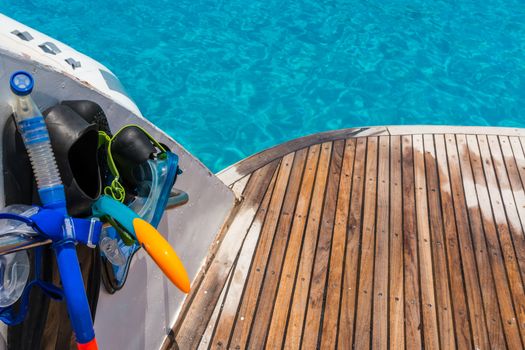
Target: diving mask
<point>14,267</point>
<point>144,172</point>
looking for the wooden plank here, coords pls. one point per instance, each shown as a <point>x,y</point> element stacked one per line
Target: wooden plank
<point>470,273</point>
<point>426,273</point>
<point>381,276</point>
<point>366,263</point>
<point>302,282</point>
<point>503,297</point>
<point>457,280</point>
<point>337,254</point>
<point>316,296</point>
<point>488,288</point>
<point>511,163</point>
<point>268,290</point>
<point>196,318</point>
<point>286,283</point>
<point>505,173</point>
<point>518,157</point>
<point>443,302</point>
<point>413,321</point>
<point>208,334</point>
<point>396,293</point>
<point>353,239</point>
<point>222,329</point>
<point>508,225</point>
<point>246,310</point>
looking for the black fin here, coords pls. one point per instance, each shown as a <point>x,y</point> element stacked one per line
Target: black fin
<point>18,175</point>
<point>75,144</point>
<point>91,112</point>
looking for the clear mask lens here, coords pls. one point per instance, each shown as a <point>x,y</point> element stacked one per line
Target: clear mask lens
<point>14,272</point>
<point>153,192</point>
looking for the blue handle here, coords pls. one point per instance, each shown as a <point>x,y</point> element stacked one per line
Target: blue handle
<point>73,285</point>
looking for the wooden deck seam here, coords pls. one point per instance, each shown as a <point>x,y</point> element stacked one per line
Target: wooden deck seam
<point>348,143</point>
<point>321,216</point>
<point>279,203</point>
<point>346,241</point>
<point>270,255</point>
<point>360,243</point>
<point>265,203</point>
<point>325,288</point>
<point>513,190</point>
<point>417,239</point>
<point>376,255</point>
<point>435,302</point>
<point>369,196</point>
<point>297,314</point>
<point>413,314</point>
<point>500,246</point>
<point>509,226</point>
<point>234,265</point>
<point>311,199</point>
<point>220,303</point>
<point>483,260</point>
<point>514,237</point>
<point>389,247</point>
<point>445,187</point>
<point>438,234</point>
<point>195,295</point>
<point>396,336</point>
<point>469,236</point>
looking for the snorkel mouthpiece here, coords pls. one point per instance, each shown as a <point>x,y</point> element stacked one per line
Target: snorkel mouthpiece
<point>163,254</point>
<point>148,237</point>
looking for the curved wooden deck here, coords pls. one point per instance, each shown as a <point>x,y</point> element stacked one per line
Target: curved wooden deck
<point>369,238</point>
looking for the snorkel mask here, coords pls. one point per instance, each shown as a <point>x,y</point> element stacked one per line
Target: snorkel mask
<point>144,172</point>
<point>14,267</point>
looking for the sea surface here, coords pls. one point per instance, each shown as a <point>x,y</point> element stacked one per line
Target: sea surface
<point>230,78</point>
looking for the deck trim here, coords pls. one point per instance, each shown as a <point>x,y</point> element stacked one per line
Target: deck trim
<point>248,165</point>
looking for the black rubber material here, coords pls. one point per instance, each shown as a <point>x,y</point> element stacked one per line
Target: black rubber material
<point>18,176</point>
<point>75,144</point>
<point>91,112</point>
<point>131,148</point>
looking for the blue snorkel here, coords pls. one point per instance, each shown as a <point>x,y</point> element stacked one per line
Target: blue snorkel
<point>52,221</point>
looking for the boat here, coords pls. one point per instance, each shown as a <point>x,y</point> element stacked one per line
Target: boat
<point>390,236</point>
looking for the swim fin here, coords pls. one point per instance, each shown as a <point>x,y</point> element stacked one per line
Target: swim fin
<point>75,144</point>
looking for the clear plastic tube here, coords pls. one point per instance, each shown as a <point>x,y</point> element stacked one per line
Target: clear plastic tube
<point>36,139</point>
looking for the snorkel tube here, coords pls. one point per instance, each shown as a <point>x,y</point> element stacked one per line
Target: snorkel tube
<point>148,237</point>
<point>34,133</point>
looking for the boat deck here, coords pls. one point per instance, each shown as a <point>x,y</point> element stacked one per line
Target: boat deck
<point>365,238</point>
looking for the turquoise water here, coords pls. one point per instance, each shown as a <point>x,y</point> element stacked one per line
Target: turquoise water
<point>229,78</point>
